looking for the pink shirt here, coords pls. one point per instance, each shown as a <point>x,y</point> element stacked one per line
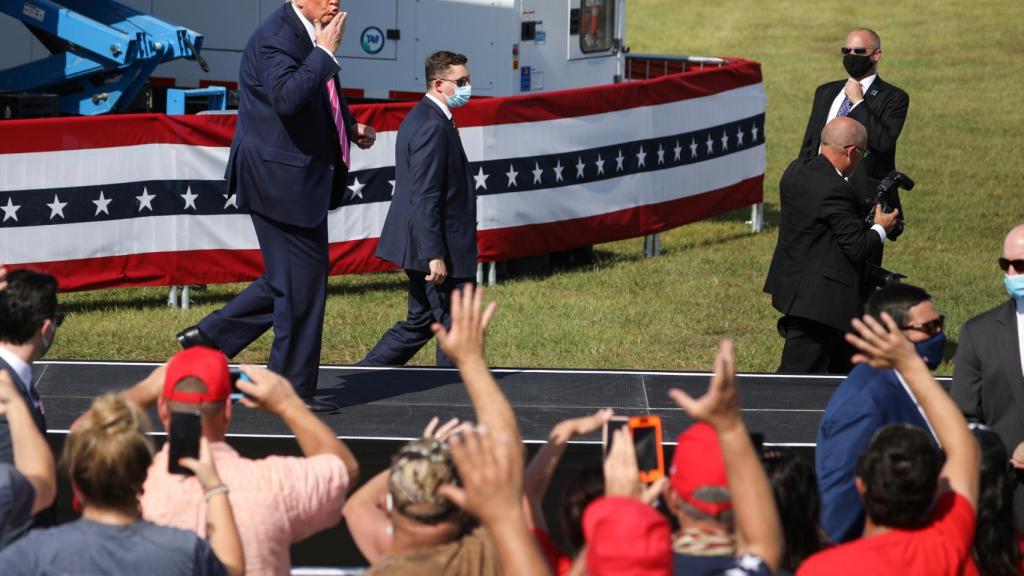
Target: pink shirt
<point>276,501</point>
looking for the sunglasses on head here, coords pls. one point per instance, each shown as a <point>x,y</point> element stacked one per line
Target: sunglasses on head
<point>930,327</point>
<point>859,51</point>
<point>1018,265</point>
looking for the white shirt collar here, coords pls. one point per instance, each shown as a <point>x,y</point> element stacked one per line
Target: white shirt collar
<point>309,25</point>
<point>442,105</point>
<point>22,370</point>
<point>866,82</point>
<point>919,409</point>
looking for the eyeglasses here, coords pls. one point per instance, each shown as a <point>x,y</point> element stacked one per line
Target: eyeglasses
<point>58,318</point>
<point>460,82</point>
<point>863,151</point>
<point>1018,265</point>
<point>930,327</point>
<point>859,51</point>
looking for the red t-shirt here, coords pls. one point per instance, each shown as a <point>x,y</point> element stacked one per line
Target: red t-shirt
<point>557,560</point>
<point>943,546</point>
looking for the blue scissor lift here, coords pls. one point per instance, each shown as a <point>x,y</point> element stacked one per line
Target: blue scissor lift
<point>102,52</point>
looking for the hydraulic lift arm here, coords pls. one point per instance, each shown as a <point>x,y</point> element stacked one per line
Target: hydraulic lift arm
<point>102,52</point>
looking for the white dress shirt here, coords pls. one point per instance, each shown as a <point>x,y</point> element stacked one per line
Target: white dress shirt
<point>22,370</point>
<point>442,106</point>
<point>1020,330</point>
<point>914,399</point>
<point>864,84</point>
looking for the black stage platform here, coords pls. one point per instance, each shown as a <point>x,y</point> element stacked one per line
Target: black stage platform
<point>383,407</point>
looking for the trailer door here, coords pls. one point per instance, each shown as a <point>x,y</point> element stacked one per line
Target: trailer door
<point>371,31</point>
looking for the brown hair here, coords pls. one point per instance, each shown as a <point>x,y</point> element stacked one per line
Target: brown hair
<point>107,456</point>
<point>439,62</point>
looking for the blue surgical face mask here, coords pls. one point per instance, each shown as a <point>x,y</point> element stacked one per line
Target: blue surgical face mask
<point>1014,285</point>
<point>931,350</point>
<point>462,94</point>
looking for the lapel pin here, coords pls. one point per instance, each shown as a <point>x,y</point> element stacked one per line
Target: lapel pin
<point>874,92</point>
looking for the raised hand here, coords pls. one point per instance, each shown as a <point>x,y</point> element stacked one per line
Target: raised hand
<point>880,346</point>
<point>330,36</point>
<point>465,339</point>
<point>568,429</point>
<point>446,430</point>
<point>267,390</point>
<point>203,467</point>
<point>492,481</point>
<point>720,405</point>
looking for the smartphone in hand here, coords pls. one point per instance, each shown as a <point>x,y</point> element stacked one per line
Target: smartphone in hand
<point>646,434</point>
<point>186,428</point>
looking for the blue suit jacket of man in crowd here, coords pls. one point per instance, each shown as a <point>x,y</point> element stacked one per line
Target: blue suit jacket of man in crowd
<point>867,400</point>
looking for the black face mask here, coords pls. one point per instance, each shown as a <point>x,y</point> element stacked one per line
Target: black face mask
<point>857,66</point>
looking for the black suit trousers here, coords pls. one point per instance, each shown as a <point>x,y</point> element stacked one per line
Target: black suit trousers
<point>428,303</point>
<point>813,348</point>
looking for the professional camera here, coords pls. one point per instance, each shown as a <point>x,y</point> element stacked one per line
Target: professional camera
<point>876,276</point>
<point>892,182</point>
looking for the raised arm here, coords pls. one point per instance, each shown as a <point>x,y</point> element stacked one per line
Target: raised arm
<point>273,393</point>
<point>545,461</point>
<point>32,456</point>
<point>885,346</point>
<point>464,344</point>
<point>757,519</point>
<point>491,469</point>
<point>221,530</point>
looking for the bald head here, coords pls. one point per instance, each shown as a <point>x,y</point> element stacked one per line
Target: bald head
<point>865,37</point>
<point>1013,246</point>
<point>841,133</point>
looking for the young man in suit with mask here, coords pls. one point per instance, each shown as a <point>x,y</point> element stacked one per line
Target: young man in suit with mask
<point>865,97</point>
<point>868,399</point>
<point>430,229</point>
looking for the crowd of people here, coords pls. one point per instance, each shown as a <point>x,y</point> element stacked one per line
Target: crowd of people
<point>901,483</point>
<point>907,478</point>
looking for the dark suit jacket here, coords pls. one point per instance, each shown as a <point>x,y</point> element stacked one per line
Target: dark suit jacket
<point>867,399</point>
<point>6,450</point>
<point>816,269</point>
<point>988,384</point>
<point>285,160</point>
<point>433,211</point>
<point>882,113</point>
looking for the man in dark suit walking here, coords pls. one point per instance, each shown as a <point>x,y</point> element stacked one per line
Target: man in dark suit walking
<point>988,375</point>
<point>288,166</point>
<point>868,399</point>
<point>430,230</point>
<point>865,97</point>
<point>815,274</point>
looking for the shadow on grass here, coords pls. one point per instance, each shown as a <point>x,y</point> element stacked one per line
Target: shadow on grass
<point>157,297</point>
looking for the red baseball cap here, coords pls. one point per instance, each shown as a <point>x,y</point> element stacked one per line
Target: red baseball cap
<point>697,466</point>
<point>207,365</point>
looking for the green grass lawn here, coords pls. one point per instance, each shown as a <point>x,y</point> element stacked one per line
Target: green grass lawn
<point>961,63</point>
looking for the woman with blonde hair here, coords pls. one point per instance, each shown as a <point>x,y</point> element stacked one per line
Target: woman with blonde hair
<point>106,458</point>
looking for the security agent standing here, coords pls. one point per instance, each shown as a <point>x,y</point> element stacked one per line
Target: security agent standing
<point>430,230</point>
<point>865,97</point>
<point>816,271</point>
<point>288,165</point>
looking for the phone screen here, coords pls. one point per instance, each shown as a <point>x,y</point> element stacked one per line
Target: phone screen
<point>645,440</point>
<point>610,427</point>
<point>186,427</point>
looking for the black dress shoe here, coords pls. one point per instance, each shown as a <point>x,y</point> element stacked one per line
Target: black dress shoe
<point>193,336</point>
<point>319,406</point>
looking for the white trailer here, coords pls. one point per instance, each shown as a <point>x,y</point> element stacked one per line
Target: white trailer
<point>514,46</point>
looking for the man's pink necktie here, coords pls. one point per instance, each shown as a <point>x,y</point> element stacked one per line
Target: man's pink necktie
<point>339,122</point>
